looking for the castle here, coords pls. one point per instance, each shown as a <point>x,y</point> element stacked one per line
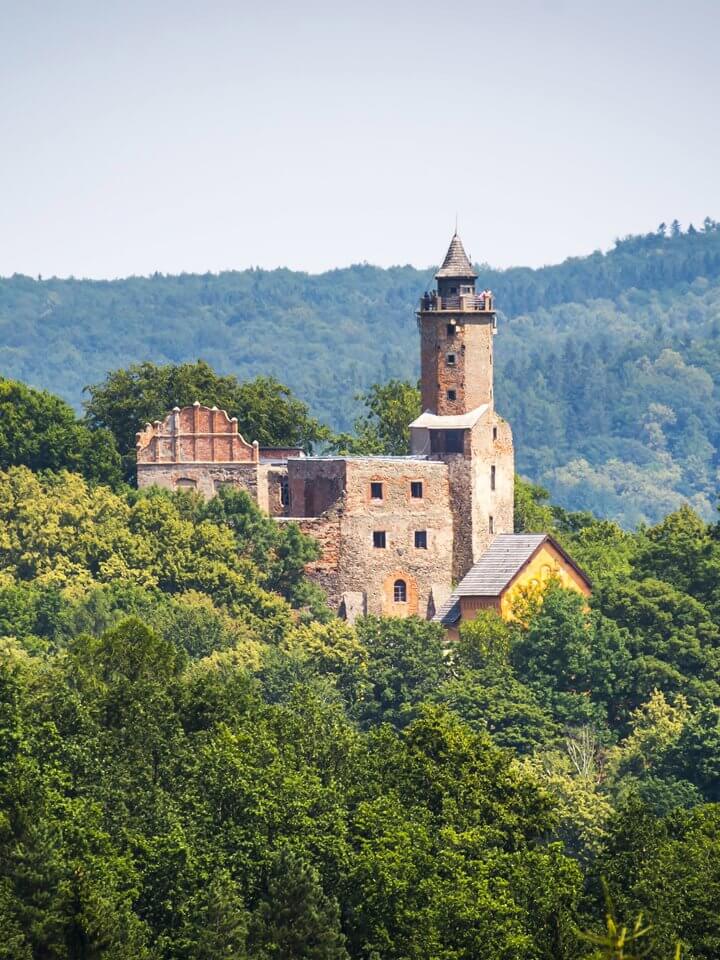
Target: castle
<point>395,532</point>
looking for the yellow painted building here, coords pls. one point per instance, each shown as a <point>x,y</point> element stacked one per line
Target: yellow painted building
<point>511,565</point>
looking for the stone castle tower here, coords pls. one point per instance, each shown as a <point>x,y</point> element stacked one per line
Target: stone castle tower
<point>459,424</point>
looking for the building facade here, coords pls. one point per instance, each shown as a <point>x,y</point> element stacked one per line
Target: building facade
<point>395,533</point>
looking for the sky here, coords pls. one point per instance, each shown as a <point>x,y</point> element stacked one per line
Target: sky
<point>152,135</point>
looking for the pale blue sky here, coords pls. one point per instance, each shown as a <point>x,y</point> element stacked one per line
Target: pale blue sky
<point>142,136</point>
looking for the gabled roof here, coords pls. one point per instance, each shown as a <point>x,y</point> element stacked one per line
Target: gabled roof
<point>462,421</point>
<point>500,563</point>
<point>497,568</point>
<point>456,262</point>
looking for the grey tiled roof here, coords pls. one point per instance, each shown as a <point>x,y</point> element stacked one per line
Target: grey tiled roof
<point>456,262</point>
<point>449,612</point>
<point>499,564</point>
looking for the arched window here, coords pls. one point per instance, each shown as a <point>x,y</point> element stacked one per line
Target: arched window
<point>400,591</point>
<point>186,483</point>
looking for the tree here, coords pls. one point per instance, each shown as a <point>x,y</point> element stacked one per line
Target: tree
<point>405,664</point>
<point>575,660</point>
<point>41,431</point>
<point>294,917</point>
<point>129,398</point>
<point>384,428</point>
<point>667,868</point>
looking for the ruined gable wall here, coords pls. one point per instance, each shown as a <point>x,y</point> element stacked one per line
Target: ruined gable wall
<point>197,448</point>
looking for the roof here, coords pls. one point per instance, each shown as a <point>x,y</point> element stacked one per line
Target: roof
<point>463,421</point>
<point>497,568</point>
<point>456,262</point>
<point>502,560</point>
<point>449,613</point>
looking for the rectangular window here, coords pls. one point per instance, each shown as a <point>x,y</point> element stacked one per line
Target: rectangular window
<point>376,491</point>
<point>447,441</point>
<point>416,489</point>
<point>421,539</point>
<point>452,394</point>
<point>379,539</point>
<point>450,359</point>
<point>491,524</point>
<point>492,477</point>
<point>451,328</point>
<point>284,492</point>
<point>494,433</point>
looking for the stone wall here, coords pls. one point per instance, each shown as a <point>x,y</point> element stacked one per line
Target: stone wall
<point>375,570</point>
<point>492,446</point>
<point>205,478</point>
<point>315,485</point>
<point>467,339</point>
<point>325,571</point>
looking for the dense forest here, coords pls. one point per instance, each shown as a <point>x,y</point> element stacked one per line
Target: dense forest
<point>607,365</point>
<point>199,762</point>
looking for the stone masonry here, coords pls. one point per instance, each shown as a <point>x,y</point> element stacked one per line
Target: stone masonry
<point>394,532</point>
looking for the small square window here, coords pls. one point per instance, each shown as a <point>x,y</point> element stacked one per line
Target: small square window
<point>450,359</point>
<point>379,539</point>
<point>452,394</point>
<point>376,491</point>
<point>416,489</point>
<point>421,539</point>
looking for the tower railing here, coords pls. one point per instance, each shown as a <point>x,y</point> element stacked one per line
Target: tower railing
<point>482,302</point>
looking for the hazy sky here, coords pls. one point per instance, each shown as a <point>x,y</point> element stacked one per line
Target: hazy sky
<point>149,135</point>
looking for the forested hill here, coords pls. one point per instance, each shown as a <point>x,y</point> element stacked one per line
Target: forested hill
<point>607,365</point>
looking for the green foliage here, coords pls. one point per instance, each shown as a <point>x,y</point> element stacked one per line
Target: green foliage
<point>198,761</point>
<point>406,663</point>
<point>40,431</point>
<point>667,868</point>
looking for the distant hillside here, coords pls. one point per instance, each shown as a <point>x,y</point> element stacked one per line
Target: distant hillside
<point>607,364</point>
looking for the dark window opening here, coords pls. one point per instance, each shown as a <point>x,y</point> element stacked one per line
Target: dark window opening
<point>421,539</point>
<point>451,328</point>
<point>492,477</point>
<point>416,489</point>
<point>400,591</point>
<point>494,433</point>
<point>453,289</point>
<point>491,524</point>
<point>379,539</point>
<point>447,441</point>
<point>376,491</point>
<point>284,492</point>
<point>452,394</point>
<point>451,359</point>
